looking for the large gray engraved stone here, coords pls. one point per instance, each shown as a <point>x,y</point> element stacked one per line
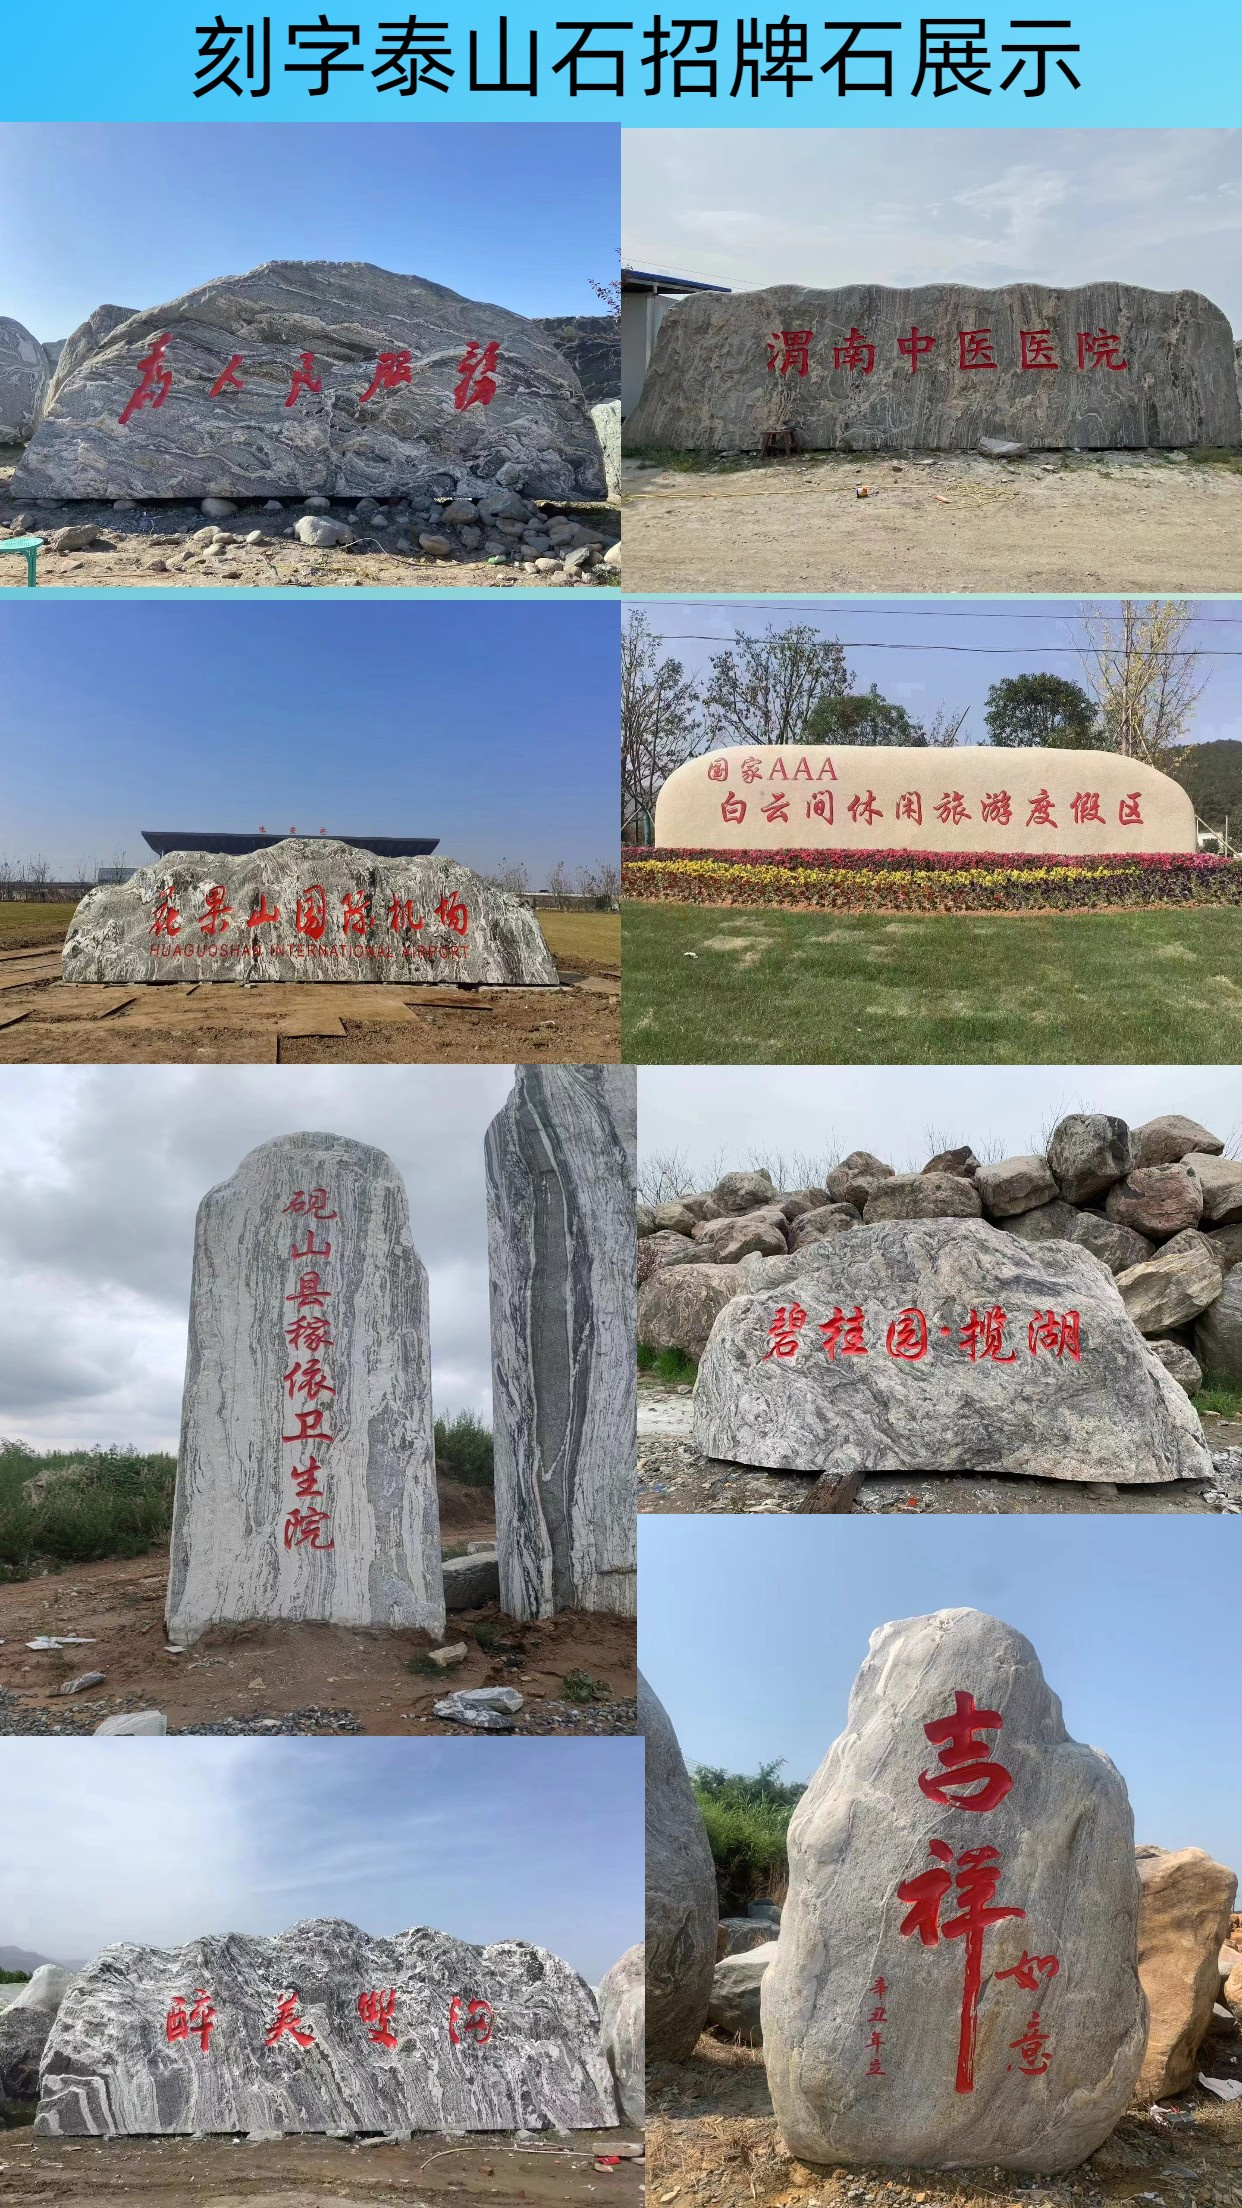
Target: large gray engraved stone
<point>306,1473</point>
<point>315,376</point>
<point>325,2029</point>
<point>562,1254</point>
<point>24,372</point>
<point>682,1908</point>
<point>956,1979</point>
<point>306,909</point>
<point>945,1346</point>
<point>725,369</point>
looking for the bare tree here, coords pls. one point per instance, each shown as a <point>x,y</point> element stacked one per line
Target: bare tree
<point>37,871</point>
<point>558,882</point>
<point>1143,675</point>
<point>944,727</point>
<point>512,875</point>
<point>660,723</point>
<point>764,689</point>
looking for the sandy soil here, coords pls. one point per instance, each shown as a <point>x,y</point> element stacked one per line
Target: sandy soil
<point>675,1477</point>
<point>711,2139</point>
<point>46,1021</point>
<point>427,2172</point>
<point>1121,522</point>
<point>358,1681</point>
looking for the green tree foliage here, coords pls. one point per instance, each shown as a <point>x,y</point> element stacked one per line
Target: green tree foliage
<point>113,1502</point>
<point>464,1450</point>
<point>1026,710</point>
<point>865,719</point>
<point>747,1819</point>
<point>1211,775</point>
<point>764,689</point>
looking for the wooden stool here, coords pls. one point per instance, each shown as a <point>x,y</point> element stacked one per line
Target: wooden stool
<point>781,443</point>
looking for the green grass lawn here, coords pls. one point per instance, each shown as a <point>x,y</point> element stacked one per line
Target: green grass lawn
<point>824,988</point>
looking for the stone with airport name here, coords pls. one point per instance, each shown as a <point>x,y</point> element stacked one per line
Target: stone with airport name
<point>940,367</point>
<point>817,797</point>
<point>306,909</point>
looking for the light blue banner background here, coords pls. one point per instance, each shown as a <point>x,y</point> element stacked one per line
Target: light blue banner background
<point>1141,64</point>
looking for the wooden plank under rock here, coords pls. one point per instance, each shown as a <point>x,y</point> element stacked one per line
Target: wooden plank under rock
<point>10,1019</point>
<point>22,977</point>
<point>833,1491</point>
<point>310,1023</point>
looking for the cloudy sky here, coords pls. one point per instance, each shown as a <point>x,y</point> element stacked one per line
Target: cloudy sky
<point>825,207</point>
<point>163,1841</point>
<point>137,213</point>
<point>949,652</point>
<point>713,1118</point>
<point>1115,1607</point>
<point>102,1171</point>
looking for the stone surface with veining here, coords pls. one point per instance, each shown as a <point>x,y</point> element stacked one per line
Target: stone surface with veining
<point>709,384</point>
<point>24,372</point>
<point>495,2038</point>
<point>560,1167</point>
<point>25,2022</point>
<point>895,1803</point>
<point>207,916</point>
<point>308,1347</point>
<point>81,344</point>
<point>1110,1413</point>
<point>410,438</point>
<point>682,1909</point>
<point>622,1993</point>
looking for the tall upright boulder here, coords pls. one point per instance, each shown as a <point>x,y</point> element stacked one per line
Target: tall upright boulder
<point>622,1993</point>
<point>25,2023</point>
<point>1184,1921</point>
<point>682,1906</point>
<point>955,1982</point>
<point>24,372</point>
<point>560,1164</point>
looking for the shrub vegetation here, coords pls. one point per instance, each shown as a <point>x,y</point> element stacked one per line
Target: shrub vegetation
<point>747,1819</point>
<point>121,1505</point>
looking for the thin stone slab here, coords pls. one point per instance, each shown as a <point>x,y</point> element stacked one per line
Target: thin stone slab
<point>944,1346</point>
<point>420,2032</point>
<point>306,1473</point>
<point>681,1893</point>
<point>315,396</point>
<point>307,909</point>
<point>24,372</point>
<point>956,1983</point>
<point>560,1165</point>
<point>727,368</point>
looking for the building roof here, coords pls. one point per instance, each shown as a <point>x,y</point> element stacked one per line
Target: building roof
<point>643,279</point>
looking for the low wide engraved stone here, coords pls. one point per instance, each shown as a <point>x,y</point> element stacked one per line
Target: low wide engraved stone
<point>307,909</point>
<point>325,2029</point>
<point>950,365</point>
<point>956,1980</point>
<point>306,1474</point>
<point>560,1162</point>
<point>944,1346</point>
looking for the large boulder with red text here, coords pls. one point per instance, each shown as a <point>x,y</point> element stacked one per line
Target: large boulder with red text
<point>682,1908</point>
<point>944,1346</point>
<point>306,1472</point>
<point>326,2029</point>
<point>329,377</point>
<point>24,373</point>
<point>955,1983</point>
<point>306,909</point>
<point>940,367</point>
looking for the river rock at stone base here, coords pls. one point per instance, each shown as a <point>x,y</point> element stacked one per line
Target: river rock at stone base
<point>954,1788</point>
<point>737,1936</point>
<point>725,368</point>
<point>25,2022</point>
<point>736,1985</point>
<point>678,1306</point>
<point>306,1471</point>
<point>307,406</point>
<point>902,1392</point>
<point>495,2038</point>
<point>24,372</point>
<point>1183,1922</point>
<point>622,1992</point>
<point>681,1893</point>
<point>560,1167</point>
<point>306,909</point>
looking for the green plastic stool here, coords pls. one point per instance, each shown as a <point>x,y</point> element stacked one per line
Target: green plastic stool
<point>30,547</point>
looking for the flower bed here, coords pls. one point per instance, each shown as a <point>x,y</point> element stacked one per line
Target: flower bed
<point>930,881</point>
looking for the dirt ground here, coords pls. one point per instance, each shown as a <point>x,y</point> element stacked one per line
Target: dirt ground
<point>711,2139</point>
<point>428,2172</point>
<point>46,1021</point>
<point>335,1678</point>
<point>1120,522</point>
<point>675,1477</point>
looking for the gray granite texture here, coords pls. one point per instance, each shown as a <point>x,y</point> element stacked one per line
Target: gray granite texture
<point>682,1907</point>
<point>622,1992</point>
<point>81,344</point>
<point>24,372</point>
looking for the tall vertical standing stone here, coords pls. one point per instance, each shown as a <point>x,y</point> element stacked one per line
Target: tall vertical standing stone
<point>561,1240</point>
<point>956,1979</point>
<point>682,1905</point>
<point>306,1478</point>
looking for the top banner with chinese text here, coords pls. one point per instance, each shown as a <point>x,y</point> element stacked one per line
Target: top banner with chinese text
<point>1066,63</point>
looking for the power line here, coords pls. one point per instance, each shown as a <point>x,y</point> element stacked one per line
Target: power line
<point>976,651</point>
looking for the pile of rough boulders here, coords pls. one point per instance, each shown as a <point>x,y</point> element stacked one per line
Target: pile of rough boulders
<point>1159,1205</point>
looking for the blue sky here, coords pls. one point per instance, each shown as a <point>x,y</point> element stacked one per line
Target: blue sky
<point>825,207</point>
<point>519,214</point>
<point>751,1631</point>
<point>494,727</point>
<point>923,653</point>
<point>523,1839</point>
